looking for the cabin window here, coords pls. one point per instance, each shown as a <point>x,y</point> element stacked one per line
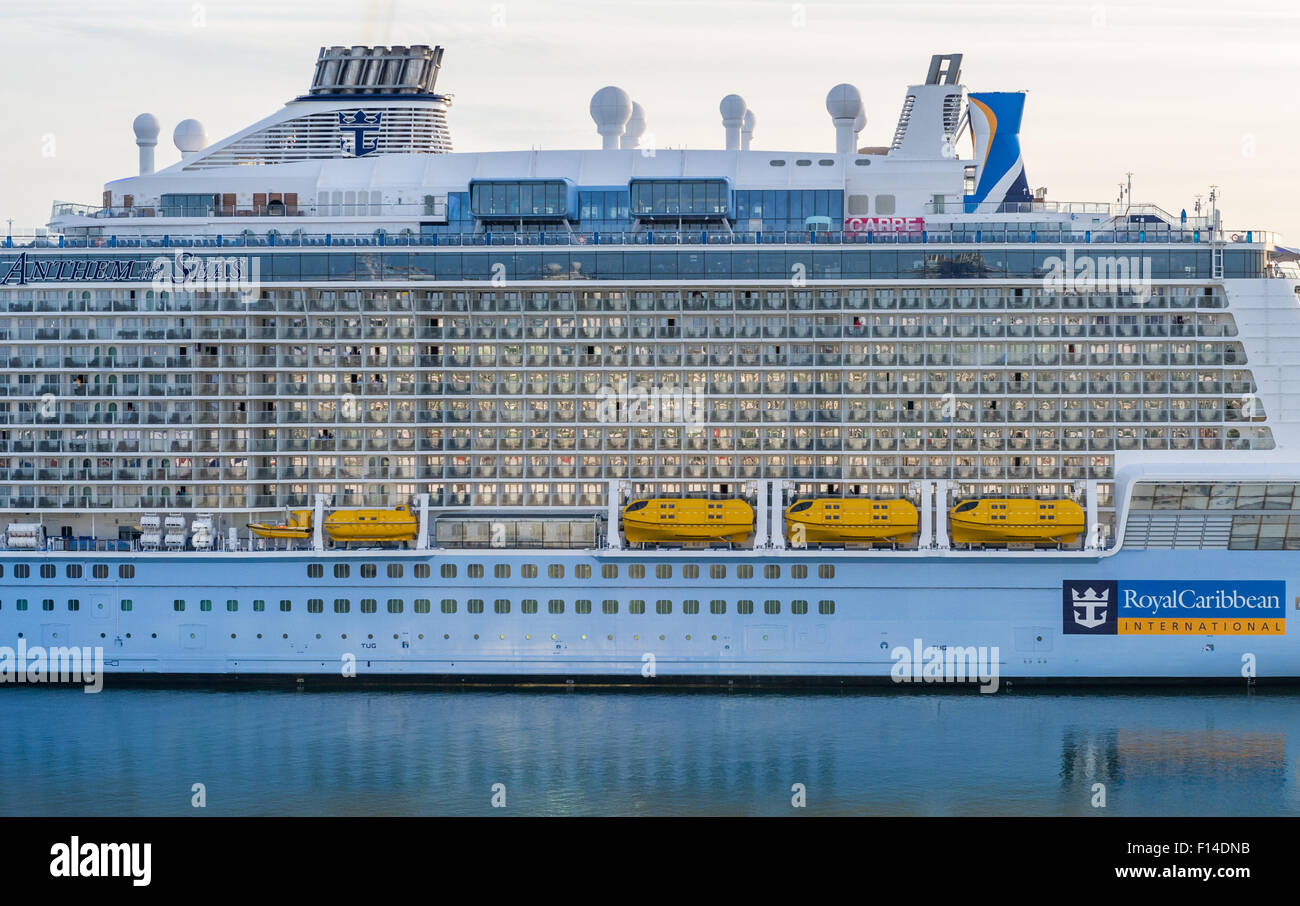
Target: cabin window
<point>124,571</point>
<point>421,570</point>
<point>341,570</point>
<point>501,570</point>
<point>609,571</point>
<point>826,571</point>
<point>127,604</point>
<point>315,605</point>
<point>501,605</point>
<point>369,605</point>
<point>609,605</point>
<point>745,571</point>
<point>799,571</point>
<point>718,607</point>
<point>178,605</point>
<point>582,606</point>
<point>799,607</point>
<point>664,571</point>
<point>772,571</point>
<point>475,605</point>
<point>555,605</point>
<point>744,607</point>
<point>286,606</point>
<point>448,570</point>
<point>395,605</point>
<point>771,607</point>
<point>475,571</point>
<point>528,605</point>
<point>394,570</point>
<point>690,571</point>
<point>47,570</point>
<point>826,607</point>
<point>528,570</point>
<point>448,605</point>
<point>582,571</point>
<point>315,570</point>
<point>690,607</point>
<point>555,571</point>
<point>342,605</point>
<point>637,606</point>
<point>73,570</point>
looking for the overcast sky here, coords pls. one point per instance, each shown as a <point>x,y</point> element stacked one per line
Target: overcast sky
<point>1185,94</point>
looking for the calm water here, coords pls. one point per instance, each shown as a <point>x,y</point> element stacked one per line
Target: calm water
<point>137,752</point>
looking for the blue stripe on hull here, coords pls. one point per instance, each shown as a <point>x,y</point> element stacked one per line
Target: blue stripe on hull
<point>881,603</point>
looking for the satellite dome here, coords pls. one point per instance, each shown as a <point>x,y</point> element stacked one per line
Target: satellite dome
<point>190,136</point>
<point>636,124</point>
<point>610,108</point>
<point>733,107</point>
<point>146,127</point>
<point>843,102</point>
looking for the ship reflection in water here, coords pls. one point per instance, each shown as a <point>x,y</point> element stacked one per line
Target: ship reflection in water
<point>125,752</point>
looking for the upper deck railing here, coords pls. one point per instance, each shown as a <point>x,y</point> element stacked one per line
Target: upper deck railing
<point>940,234</point>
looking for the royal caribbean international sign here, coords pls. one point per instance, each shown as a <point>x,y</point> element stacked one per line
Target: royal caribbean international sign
<point>1173,607</point>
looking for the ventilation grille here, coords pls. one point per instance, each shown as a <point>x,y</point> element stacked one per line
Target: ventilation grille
<point>903,119</point>
<point>1194,531</point>
<point>317,136</point>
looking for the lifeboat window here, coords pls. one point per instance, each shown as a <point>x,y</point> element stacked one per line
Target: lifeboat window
<point>609,605</point>
<point>744,607</point>
<point>801,506</point>
<point>637,606</point>
<point>421,570</point>
<point>798,606</point>
<point>967,506</point>
<point>717,607</point>
<point>315,570</point>
<point>633,507</point>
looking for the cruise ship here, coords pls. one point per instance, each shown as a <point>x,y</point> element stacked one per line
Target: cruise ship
<point>327,392</point>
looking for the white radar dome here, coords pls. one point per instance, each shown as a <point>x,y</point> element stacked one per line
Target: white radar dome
<point>190,136</point>
<point>843,102</point>
<point>146,127</point>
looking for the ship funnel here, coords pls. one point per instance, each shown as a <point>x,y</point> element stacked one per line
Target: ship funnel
<point>611,108</point>
<point>635,128</point>
<point>733,108</point>
<point>844,103</point>
<point>747,130</point>
<point>146,139</point>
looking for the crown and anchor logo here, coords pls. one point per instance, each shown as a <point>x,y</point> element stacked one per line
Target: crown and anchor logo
<point>363,127</point>
<point>1090,608</point>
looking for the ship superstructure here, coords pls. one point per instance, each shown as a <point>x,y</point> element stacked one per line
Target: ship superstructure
<point>283,339</point>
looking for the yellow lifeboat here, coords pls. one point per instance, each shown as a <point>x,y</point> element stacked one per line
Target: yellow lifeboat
<point>297,527</point>
<point>673,519</point>
<point>398,524</point>
<point>1012,519</point>
<point>835,520</point>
